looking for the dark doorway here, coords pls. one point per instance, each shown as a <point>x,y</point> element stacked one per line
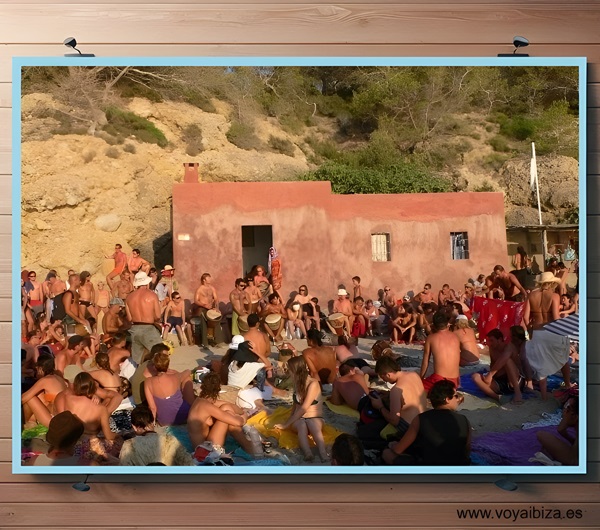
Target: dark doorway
<point>256,242</point>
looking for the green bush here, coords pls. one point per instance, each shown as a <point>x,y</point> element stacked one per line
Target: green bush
<point>127,124</point>
<point>519,128</point>
<point>499,144</point>
<point>129,148</point>
<point>401,178</point>
<point>486,186</point>
<point>282,145</point>
<point>199,100</point>
<point>242,135</point>
<point>112,152</point>
<point>192,136</point>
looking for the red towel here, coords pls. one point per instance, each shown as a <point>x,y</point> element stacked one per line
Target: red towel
<point>497,314</point>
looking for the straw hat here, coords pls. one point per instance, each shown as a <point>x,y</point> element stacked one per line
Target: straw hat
<point>547,277</point>
<point>141,278</point>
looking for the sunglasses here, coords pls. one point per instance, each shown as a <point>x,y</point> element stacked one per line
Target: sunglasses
<point>32,275</point>
<point>178,298</point>
<point>242,285</point>
<point>303,290</point>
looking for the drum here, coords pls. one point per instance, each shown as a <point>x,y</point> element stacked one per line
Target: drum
<point>243,323</point>
<point>273,321</point>
<point>337,322</point>
<point>381,348</point>
<point>213,319</point>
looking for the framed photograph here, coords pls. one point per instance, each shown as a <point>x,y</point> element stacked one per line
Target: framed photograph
<point>299,265</point>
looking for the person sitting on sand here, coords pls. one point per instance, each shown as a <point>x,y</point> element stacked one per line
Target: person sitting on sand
<point>43,393</point>
<point>407,395</point>
<point>306,416</point>
<point>70,355</point>
<point>350,388</point>
<point>438,437</point>
<point>64,431</point>
<point>362,325</point>
<point>443,345</point>
<point>469,351</point>
<point>321,360</point>
<point>169,395</point>
<point>566,450</point>
<point>403,327</point>
<point>144,371</point>
<point>274,307</point>
<point>149,447</point>
<point>211,419</point>
<point>344,306</point>
<point>347,450</point>
<point>104,375</point>
<point>114,319</point>
<point>503,377</point>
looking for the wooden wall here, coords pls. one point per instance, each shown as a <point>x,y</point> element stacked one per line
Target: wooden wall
<point>277,28</point>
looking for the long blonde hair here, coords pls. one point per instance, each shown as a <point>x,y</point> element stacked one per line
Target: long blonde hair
<point>299,370</point>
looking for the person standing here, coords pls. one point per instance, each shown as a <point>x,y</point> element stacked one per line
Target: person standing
<point>143,311</point>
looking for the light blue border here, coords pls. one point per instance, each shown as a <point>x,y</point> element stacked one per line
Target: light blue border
<point>19,62</point>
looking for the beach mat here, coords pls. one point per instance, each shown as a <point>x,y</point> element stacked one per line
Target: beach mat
<point>468,385</point>
<point>513,448</point>
<point>286,439</point>
<point>342,409</point>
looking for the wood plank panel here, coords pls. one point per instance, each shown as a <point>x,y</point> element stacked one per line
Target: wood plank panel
<point>349,515</point>
<point>450,49</point>
<point>5,338</point>
<point>489,3</point>
<point>5,95</point>
<point>366,23</point>
<point>5,196</point>
<point>5,141</point>
<point>388,493</point>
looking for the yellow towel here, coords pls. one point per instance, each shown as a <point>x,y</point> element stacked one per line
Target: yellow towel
<point>343,409</point>
<point>287,439</point>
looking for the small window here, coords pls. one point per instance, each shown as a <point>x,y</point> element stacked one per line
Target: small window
<point>380,247</point>
<point>459,245</point>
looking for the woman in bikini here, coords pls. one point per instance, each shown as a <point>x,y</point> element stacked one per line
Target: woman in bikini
<point>38,401</point>
<point>104,375</point>
<point>543,304</point>
<point>307,412</point>
<point>169,395</point>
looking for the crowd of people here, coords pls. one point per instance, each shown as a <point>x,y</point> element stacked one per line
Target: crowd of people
<point>95,362</point>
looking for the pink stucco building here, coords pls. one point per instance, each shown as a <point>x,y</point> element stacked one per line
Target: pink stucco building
<point>324,239</point>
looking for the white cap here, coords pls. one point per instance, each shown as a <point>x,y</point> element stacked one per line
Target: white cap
<point>462,317</point>
<point>235,342</point>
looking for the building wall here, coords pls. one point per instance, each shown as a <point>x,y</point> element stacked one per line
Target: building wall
<point>324,239</point>
<point>401,28</point>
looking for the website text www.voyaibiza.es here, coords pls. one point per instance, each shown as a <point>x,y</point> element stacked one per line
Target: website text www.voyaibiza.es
<point>521,514</point>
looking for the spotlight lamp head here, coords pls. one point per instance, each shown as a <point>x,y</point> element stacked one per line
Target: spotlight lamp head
<point>70,42</point>
<point>520,42</point>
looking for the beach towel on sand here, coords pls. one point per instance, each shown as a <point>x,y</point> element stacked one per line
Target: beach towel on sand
<point>287,439</point>
<point>342,409</point>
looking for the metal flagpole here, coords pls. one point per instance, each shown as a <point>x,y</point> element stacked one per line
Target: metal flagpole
<point>535,182</point>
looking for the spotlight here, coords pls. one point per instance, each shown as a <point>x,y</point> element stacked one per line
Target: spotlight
<point>506,485</point>
<point>82,486</point>
<point>518,42</point>
<point>70,42</point>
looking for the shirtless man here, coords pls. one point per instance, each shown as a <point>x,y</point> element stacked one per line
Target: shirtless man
<point>445,295</point>
<point>254,295</point>
<point>469,352</point>
<point>407,397</point>
<point>503,377</point>
<point>389,301</point>
<point>240,303</point>
<point>344,306</point>
<point>136,263</point>
<point>274,307</point>
<point>206,298</point>
<point>174,317</point>
<point>360,315</point>
<point>70,355</point>
<point>444,346</point>
<point>124,286</point>
<point>509,284</point>
<point>120,263</point>
<point>260,341</point>
<point>143,311</point>
<point>211,419</point>
<point>350,388</point>
<point>36,296</point>
<point>70,301</point>
<point>321,360</point>
<point>113,320</point>
<point>54,286</point>
<point>425,296</point>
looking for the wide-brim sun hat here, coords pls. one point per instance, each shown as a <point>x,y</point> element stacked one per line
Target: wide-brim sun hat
<point>141,278</point>
<point>547,277</point>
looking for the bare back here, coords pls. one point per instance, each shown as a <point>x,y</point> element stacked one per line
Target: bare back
<point>143,306</point>
<point>445,348</point>
<point>414,397</point>
<point>469,352</point>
